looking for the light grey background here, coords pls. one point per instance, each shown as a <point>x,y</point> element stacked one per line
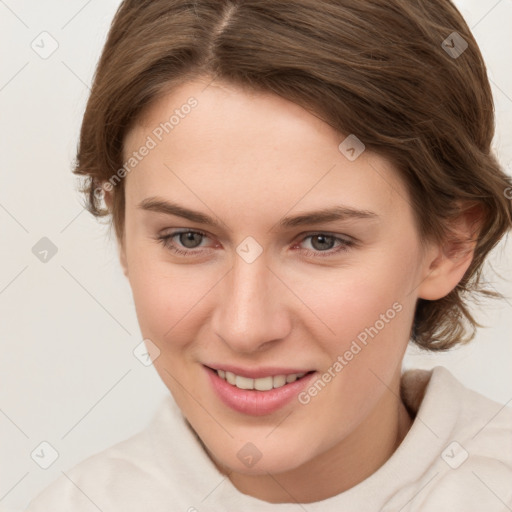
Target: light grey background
<point>68,326</point>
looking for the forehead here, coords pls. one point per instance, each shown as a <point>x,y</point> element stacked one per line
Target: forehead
<point>257,149</point>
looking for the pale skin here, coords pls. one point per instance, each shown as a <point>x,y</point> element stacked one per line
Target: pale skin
<point>248,160</point>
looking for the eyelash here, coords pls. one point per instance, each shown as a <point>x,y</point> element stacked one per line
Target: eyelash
<point>343,247</point>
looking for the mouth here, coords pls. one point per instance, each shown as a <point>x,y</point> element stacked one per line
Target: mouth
<point>260,384</point>
<point>265,393</point>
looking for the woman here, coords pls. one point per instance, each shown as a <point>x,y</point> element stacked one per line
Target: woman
<point>298,189</point>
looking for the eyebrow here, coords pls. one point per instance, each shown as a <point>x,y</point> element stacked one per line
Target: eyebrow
<point>158,205</point>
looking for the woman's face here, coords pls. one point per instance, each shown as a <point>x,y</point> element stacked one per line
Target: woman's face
<point>268,290</point>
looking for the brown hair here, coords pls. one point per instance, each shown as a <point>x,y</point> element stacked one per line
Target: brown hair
<point>378,69</point>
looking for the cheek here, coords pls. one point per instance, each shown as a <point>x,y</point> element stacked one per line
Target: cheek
<point>358,297</point>
<point>372,330</point>
<point>170,300</point>
<point>370,308</point>
<point>161,296</point>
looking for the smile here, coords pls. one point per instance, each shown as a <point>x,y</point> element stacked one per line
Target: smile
<point>265,392</point>
<point>261,384</point>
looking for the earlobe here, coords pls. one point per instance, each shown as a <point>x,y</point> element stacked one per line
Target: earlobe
<point>108,199</point>
<point>446,264</point>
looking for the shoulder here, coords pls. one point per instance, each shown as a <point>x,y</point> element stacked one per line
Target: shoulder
<point>474,418</point>
<point>471,465</point>
<point>113,479</point>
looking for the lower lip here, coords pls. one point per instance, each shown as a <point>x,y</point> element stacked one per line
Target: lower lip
<point>254,402</point>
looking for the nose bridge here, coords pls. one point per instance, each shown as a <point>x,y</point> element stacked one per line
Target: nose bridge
<point>247,311</point>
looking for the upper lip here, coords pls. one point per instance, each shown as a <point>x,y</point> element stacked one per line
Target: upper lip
<point>257,373</point>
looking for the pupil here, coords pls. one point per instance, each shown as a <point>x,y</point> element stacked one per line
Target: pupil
<point>189,237</point>
<point>323,239</point>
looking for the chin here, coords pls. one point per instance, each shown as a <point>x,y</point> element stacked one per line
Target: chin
<point>249,460</point>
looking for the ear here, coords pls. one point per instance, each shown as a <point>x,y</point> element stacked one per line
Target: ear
<point>120,243</point>
<point>446,264</point>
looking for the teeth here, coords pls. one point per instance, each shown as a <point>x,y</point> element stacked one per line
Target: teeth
<point>244,382</point>
<point>277,381</point>
<point>262,384</point>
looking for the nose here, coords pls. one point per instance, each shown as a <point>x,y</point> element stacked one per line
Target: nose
<point>251,311</point>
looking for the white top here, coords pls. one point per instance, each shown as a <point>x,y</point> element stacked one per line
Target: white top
<point>457,456</point>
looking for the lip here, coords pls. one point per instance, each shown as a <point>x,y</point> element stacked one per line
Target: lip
<point>254,402</point>
<point>257,373</point>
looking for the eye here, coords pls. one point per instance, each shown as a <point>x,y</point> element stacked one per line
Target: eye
<point>188,239</point>
<point>323,243</point>
<point>186,242</point>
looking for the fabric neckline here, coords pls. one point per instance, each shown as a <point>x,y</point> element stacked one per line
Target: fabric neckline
<point>420,391</point>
